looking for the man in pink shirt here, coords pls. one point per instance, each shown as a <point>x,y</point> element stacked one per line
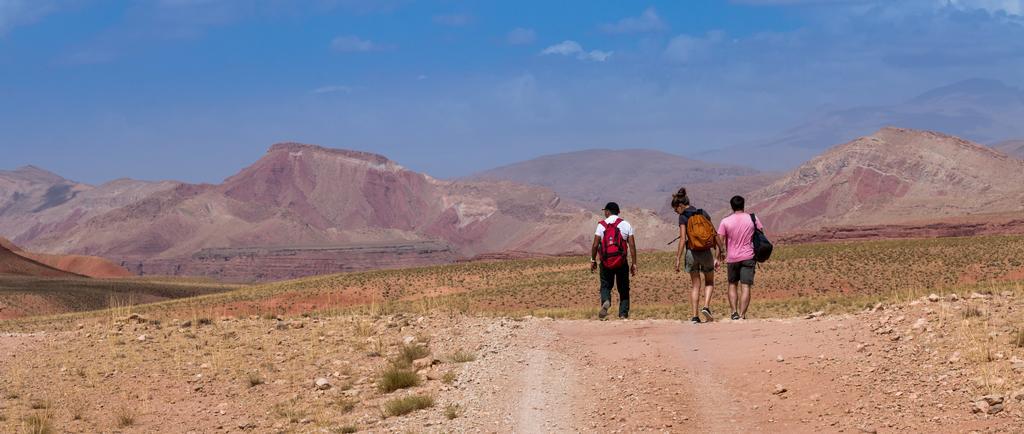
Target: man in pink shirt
<point>737,232</point>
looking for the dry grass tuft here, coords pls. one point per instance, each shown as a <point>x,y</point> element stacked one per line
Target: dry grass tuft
<point>410,353</point>
<point>38,423</point>
<point>452,411</point>
<point>449,377</point>
<point>348,429</point>
<point>972,311</point>
<point>345,405</point>
<point>124,417</point>
<point>461,356</point>
<point>406,405</point>
<point>396,377</point>
<point>1018,338</point>
<point>253,379</point>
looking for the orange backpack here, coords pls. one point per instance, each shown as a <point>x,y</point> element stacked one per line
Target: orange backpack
<point>700,233</point>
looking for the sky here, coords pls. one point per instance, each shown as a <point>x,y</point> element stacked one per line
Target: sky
<point>194,90</point>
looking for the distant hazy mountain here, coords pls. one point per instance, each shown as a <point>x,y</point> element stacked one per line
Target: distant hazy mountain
<point>983,111</point>
<point>636,177</point>
<point>1013,148</point>
<point>890,177</point>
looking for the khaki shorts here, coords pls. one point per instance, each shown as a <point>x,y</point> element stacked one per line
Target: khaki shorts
<point>699,261</point>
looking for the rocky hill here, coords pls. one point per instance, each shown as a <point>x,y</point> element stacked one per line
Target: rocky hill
<point>895,175</point>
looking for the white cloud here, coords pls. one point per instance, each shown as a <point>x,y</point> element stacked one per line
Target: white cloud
<point>573,48</point>
<point>333,89</point>
<point>648,21</point>
<point>453,20</point>
<point>564,48</point>
<point>354,44</point>
<point>521,36</point>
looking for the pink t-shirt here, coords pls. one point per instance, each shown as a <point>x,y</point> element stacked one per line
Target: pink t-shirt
<point>738,231</point>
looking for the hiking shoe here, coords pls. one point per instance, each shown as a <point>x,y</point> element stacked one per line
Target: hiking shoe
<point>695,320</point>
<point>604,310</point>
<point>707,314</point>
<point>735,316</point>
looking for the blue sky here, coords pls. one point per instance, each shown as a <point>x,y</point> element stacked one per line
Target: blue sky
<point>196,89</point>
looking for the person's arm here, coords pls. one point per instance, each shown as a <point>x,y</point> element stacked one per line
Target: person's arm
<point>632,255</point>
<point>593,253</point>
<point>681,249</point>
<point>722,239</point>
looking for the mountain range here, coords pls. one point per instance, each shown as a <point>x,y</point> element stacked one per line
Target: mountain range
<point>980,110</point>
<point>635,177</point>
<point>304,197</point>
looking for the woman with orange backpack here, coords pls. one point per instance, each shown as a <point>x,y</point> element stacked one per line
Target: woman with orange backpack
<point>697,237</point>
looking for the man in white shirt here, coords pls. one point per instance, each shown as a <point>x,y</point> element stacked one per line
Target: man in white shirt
<point>614,240</point>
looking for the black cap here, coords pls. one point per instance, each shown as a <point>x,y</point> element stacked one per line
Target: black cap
<point>612,207</point>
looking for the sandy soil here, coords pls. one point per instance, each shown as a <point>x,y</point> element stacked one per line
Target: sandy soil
<point>914,368</point>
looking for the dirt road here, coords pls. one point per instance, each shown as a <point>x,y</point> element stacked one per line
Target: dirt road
<point>820,375</point>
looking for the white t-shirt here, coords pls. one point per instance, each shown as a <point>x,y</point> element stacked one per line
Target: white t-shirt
<point>624,228</point>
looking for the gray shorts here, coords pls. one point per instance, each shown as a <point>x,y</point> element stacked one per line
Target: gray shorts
<point>699,261</point>
<point>742,272</point>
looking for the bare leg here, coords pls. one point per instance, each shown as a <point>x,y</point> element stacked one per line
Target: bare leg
<point>709,285</point>
<point>695,291</point>
<point>744,300</point>
<point>733,305</point>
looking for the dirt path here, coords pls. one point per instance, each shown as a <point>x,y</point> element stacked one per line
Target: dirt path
<point>820,375</point>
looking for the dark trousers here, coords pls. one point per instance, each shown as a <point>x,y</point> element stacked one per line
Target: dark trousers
<point>618,277</point>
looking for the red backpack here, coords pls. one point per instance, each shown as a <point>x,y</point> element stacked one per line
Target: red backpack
<point>613,246</point>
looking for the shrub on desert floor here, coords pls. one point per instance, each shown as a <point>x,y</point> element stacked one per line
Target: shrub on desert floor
<point>461,356</point>
<point>972,312</point>
<point>124,417</point>
<point>412,352</point>
<point>38,423</point>
<point>408,404</point>
<point>452,411</point>
<point>253,379</point>
<point>396,377</point>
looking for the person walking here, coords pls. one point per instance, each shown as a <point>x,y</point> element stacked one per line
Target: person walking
<point>737,232</point>
<point>614,240</point>
<point>697,239</point>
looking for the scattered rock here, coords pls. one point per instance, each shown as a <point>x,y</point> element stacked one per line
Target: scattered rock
<point>920,323</point>
<point>322,383</point>
<point>988,404</point>
<point>142,338</point>
<point>424,363</point>
<point>933,298</point>
<point>953,297</point>
<point>779,358</point>
<point>408,340</point>
<point>814,315</point>
<point>975,296</point>
<point>779,389</point>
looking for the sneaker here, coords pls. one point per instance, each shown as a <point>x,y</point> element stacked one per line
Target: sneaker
<point>735,316</point>
<point>604,310</point>
<point>707,314</point>
<point>695,320</point>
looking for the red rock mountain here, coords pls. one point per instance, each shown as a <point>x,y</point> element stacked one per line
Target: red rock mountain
<point>893,176</point>
<point>315,197</point>
<point>635,177</point>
